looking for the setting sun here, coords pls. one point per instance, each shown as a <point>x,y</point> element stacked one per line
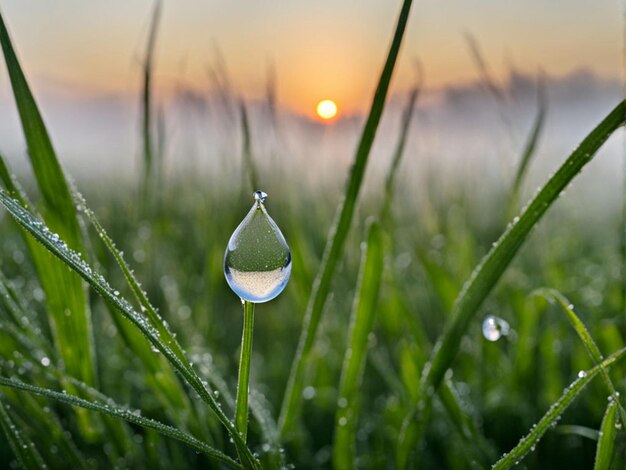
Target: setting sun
<point>326,109</point>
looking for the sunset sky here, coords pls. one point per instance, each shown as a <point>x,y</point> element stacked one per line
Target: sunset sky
<point>322,49</point>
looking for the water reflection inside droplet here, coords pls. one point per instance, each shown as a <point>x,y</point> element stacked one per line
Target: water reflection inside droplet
<point>494,328</point>
<point>257,262</point>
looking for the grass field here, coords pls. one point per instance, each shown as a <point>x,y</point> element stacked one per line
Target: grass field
<point>120,339</point>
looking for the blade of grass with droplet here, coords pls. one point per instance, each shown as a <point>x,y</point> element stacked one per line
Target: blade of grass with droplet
<point>606,442</point>
<point>73,260</point>
<point>495,262</point>
<point>337,235</point>
<point>23,448</point>
<point>361,324</point>
<point>64,290</point>
<point>586,338</point>
<point>528,442</point>
<point>110,408</point>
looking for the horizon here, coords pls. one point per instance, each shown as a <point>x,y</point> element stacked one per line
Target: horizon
<point>323,59</point>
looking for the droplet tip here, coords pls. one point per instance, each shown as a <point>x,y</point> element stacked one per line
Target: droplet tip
<point>259,196</point>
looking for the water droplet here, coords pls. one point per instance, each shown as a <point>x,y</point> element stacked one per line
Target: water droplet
<point>308,393</point>
<point>582,374</point>
<point>494,328</point>
<point>257,262</point>
<point>45,361</point>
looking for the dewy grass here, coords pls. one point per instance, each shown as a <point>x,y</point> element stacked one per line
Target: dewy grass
<point>494,264</point>
<point>337,235</point>
<point>361,324</point>
<point>587,340</point>
<point>110,408</point>
<point>73,260</point>
<point>527,443</point>
<point>64,291</point>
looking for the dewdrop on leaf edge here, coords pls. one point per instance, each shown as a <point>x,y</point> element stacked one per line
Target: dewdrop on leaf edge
<point>257,262</point>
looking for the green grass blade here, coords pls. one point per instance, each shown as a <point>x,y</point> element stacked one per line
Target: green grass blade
<point>361,324</point>
<point>24,449</point>
<point>390,178</point>
<point>64,291</point>
<point>531,144</point>
<point>338,234</point>
<point>587,340</point>
<point>493,265</point>
<point>151,312</point>
<point>528,442</point>
<point>606,443</point>
<point>110,408</point>
<point>73,260</point>
<point>243,388</point>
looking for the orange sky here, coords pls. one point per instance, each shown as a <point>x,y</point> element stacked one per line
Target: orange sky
<point>323,49</point>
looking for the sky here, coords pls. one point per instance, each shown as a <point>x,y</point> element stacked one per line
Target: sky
<point>323,49</point>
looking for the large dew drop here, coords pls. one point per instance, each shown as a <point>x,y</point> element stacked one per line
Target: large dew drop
<point>494,328</point>
<point>257,262</point>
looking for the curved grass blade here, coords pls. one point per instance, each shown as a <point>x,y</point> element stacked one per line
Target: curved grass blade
<point>361,324</point>
<point>606,443</point>
<point>337,235</point>
<point>64,291</point>
<point>110,408</point>
<point>528,442</point>
<point>493,265</point>
<point>587,340</point>
<point>24,449</point>
<point>73,260</point>
<point>582,431</point>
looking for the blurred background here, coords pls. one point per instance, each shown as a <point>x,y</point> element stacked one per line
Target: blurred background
<point>85,61</point>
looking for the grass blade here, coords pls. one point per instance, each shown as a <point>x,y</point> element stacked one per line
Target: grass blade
<point>361,324</point>
<point>146,105</point>
<point>606,443</point>
<point>531,144</point>
<point>246,149</point>
<point>25,451</point>
<point>241,411</point>
<point>338,234</point>
<point>110,408</point>
<point>587,340</point>
<point>73,260</point>
<point>390,179</point>
<point>528,442</point>
<point>493,265</point>
<point>64,290</point>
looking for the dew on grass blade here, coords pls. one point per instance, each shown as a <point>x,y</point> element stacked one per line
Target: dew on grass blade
<point>257,262</point>
<point>494,328</point>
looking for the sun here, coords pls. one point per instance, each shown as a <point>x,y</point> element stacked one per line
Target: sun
<point>326,109</point>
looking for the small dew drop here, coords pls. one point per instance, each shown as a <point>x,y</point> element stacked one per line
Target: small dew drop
<point>582,374</point>
<point>257,262</point>
<point>494,328</point>
<point>45,361</point>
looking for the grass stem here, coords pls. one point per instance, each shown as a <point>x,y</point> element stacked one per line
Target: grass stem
<point>241,410</point>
